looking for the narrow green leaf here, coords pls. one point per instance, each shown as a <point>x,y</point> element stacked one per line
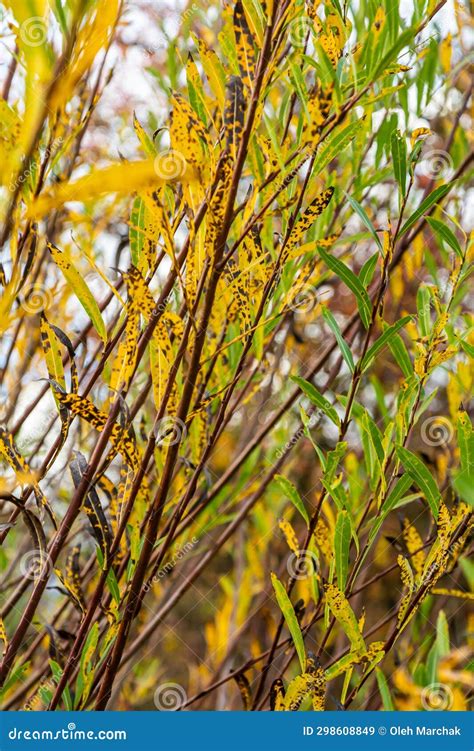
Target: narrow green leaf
<point>402,485</point>
<point>403,40</point>
<point>297,80</point>
<point>256,18</point>
<point>333,147</point>
<point>136,231</point>
<point>400,354</point>
<point>290,491</point>
<point>443,231</point>
<point>391,502</point>
<point>465,435</point>
<point>353,282</point>
<point>316,398</point>
<point>384,689</point>
<point>306,420</point>
<point>383,340</point>
<point>363,215</point>
<point>289,615</point>
<point>17,675</point>
<point>467,566</point>
<point>430,201</point>
<point>423,306</point>
<point>343,346</point>
<point>367,271</point>
<point>112,582</point>
<point>428,673</point>
<point>342,541</point>
<point>399,157</point>
<point>442,635</point>
<point>59,13</point>
<point>463,484</point>
<point>374,434</point>
<point>89,647</point>
<point>393,18</point>
<point>468,348</point>
<point>422,477</point>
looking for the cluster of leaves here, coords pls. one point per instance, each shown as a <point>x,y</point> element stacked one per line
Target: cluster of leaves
<point>235,378</point>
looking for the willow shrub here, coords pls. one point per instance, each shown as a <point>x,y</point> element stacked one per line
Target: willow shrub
<point>235,439</point>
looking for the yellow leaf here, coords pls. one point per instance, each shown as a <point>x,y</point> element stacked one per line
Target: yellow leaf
<point>419,133</point>
<point>123,365</point>
<point>409,582</point>
<point>290,535</point>
<point>461,594</point>
<point>117,178</point>
<point>244,45</point>
<point>414,544</point>
<point>92,37</point>
<point>445,53</point>
<point>80,289</point>
<point>379,21</point>
<point>213,70</point>
<point>315,208</point>
<point>71,580</point>
<point>234,114</point>
<point>18,463</point>
<point>372,655</point>
<point>307,684</point>
<point>322,537</point>
<point>3,635</point>
<point>119,437</point>
<point>342,611</point>
<point>52,352</point>
<point>187,134</point>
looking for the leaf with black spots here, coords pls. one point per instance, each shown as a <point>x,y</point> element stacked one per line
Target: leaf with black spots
<point>93,509</point>
<point>234,114</point>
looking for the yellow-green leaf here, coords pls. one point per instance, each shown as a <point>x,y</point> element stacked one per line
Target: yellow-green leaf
<point>289,615</point>
<point>80,289</point>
